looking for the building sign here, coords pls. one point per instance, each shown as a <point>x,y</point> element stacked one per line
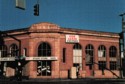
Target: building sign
<point>28,58</point>
<point>7,59</point>
<point>72,38</point>
<point>20,4</point>
<point>40,58</point>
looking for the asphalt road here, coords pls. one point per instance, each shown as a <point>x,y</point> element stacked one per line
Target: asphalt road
<point>63,81</point>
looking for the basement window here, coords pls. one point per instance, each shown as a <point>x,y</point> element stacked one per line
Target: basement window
<point>113,65</point>
<point>101,51</point>
<point>112,51</point>
<point>102,65</point>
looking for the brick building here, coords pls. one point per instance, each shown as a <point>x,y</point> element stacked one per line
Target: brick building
<point>55,52</point>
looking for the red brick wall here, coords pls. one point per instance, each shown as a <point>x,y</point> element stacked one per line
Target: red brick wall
<point>57,42</point>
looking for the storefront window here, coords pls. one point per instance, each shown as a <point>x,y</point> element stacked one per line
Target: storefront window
<point>14,50</point>
<point>77,55</point>
<point>3,50</point>
<point>102,65</point>
<point>44,67</point>
<point>3,53</point>
<point>113,65</point>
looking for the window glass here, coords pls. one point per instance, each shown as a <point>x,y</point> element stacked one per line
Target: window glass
<point>102,65</point>
<point>89,50</point>
<point>14,51</point>
<point>44,67</point>
<point>112,51</point>
<point>101,51</point>
<point>64,55</point>
<point>44,49</point>
<point>77,55</point>
<point>113,65</point>
<point>3,50</point>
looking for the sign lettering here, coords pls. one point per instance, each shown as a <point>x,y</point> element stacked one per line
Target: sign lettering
<point>72,38</point>
<point>41,58</point>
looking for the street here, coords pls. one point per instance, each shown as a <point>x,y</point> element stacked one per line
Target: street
<point>64,81</point>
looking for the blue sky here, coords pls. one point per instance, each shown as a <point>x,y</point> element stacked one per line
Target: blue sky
<point>99,15</point>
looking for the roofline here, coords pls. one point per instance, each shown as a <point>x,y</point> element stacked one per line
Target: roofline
<point>70,29</point>
<point>75,29</point>
<point>64,31</point>
<point>17,30</point>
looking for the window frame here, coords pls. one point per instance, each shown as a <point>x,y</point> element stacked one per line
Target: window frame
<point>3,50</point>
<point>103,49</point>
<point>113,65</point>
<point>101,65</point>
<point>89,51</point>
<point>14,50</point>
<point>112,51</point>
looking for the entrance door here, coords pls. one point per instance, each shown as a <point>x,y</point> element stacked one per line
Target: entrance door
<point>12,66</point>
<point>77,65</point>
<point>44,68</point>
<point>77,57</point>
<point>89,50</point>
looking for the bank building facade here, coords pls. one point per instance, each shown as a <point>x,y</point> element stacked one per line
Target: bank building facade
<point>51,51</point>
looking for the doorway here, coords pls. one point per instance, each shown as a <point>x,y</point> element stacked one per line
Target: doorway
<point>44,68</point>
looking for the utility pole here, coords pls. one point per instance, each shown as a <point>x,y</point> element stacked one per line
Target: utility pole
<point>122,47</point>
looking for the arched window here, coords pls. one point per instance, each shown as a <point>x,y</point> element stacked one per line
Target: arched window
<point>3,50</point>
<point>44,49</point>
<point>77,56</point>
<point>89,50</point>
<point>101,51</point>
<point>77,46</point>
<point>14,51</point>
<point>44,67</point>
<point>112,51</point>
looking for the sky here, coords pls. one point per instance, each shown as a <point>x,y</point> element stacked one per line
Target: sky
<point>99,15</point>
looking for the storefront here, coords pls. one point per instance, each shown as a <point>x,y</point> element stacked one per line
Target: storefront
<point>54,52</point>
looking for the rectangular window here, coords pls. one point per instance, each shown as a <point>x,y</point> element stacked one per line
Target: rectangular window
<point>64,55</point>
<point>77,56</point>
<point>24,52</point>
<point>102,65</point>
<point>0,53</point>
<point>113,65</point>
